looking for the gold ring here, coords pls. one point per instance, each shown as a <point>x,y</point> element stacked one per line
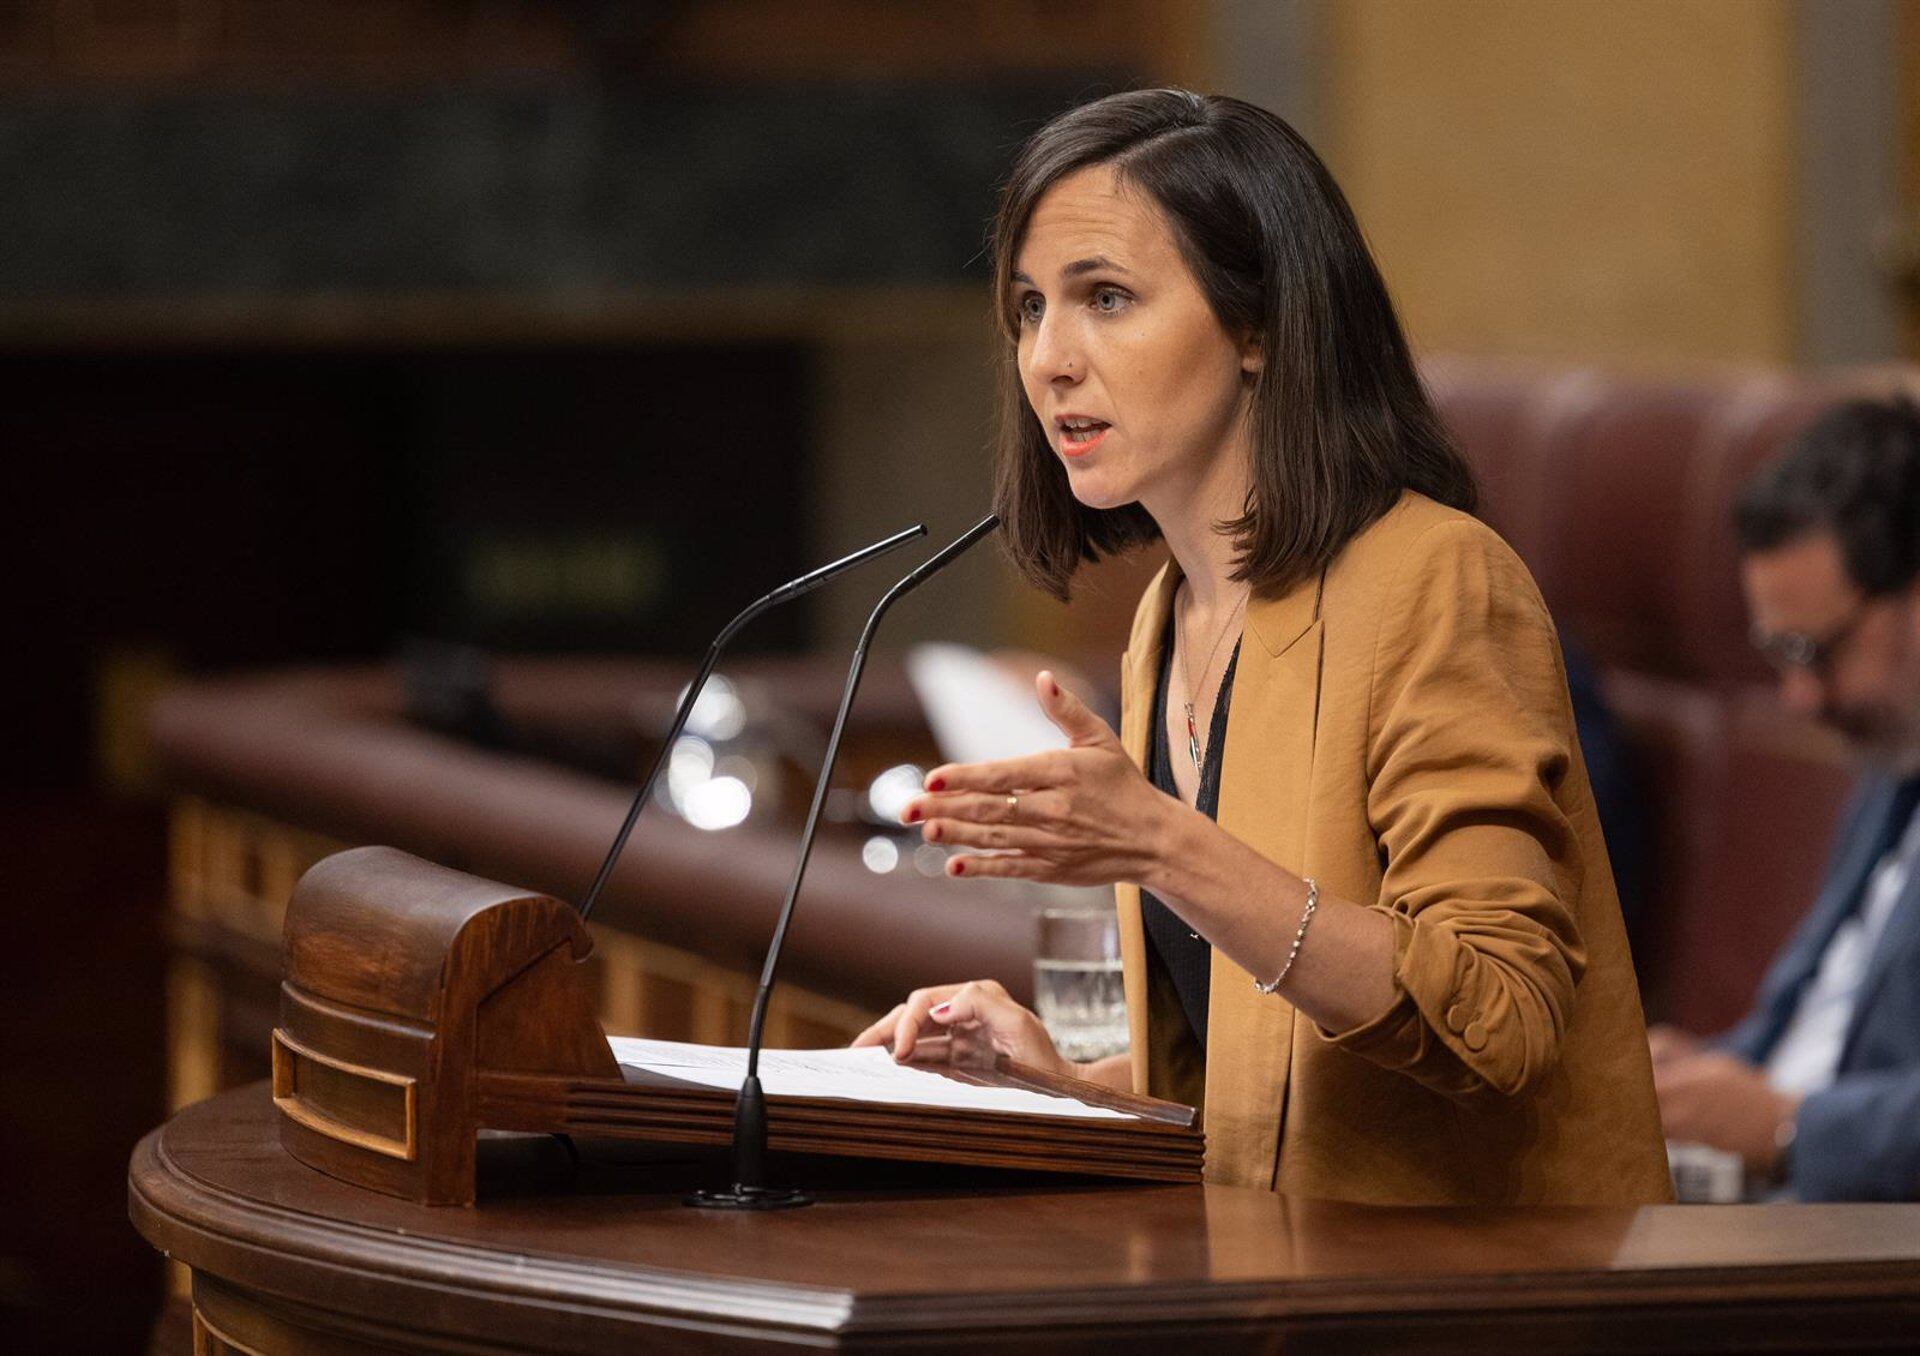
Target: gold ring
<point>1013,807</point>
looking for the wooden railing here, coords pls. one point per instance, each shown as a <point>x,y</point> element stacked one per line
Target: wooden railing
<point>232,872</point>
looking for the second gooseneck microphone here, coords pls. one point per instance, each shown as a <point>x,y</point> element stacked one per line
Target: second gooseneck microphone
<point>750,1190</point>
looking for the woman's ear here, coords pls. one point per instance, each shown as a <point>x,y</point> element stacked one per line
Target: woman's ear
<point>1253,354</point>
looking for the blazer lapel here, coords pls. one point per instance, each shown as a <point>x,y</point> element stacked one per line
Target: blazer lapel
<point>1139,671</point>
<point>1265,785</point>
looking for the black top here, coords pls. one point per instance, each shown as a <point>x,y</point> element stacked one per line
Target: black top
<point>1188,958</point>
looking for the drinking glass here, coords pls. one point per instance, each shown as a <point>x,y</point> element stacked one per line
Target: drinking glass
<point>1076,981</point>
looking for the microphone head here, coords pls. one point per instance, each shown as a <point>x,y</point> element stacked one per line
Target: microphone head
<point>945,556</point>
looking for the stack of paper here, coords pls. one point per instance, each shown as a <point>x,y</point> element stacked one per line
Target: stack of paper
<point>862,1103</point>
<point>868,1074</point>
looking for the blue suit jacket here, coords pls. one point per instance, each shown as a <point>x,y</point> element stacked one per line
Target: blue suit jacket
<point>1858,1139</point>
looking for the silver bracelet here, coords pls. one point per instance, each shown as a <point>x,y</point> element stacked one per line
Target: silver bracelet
<point>1306,917</point>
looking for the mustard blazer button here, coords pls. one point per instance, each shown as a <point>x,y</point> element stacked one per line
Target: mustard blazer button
<point>1457,1018</point>
<point>1475,1035</point>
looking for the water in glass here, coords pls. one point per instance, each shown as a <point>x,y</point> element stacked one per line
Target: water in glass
<point>1076,982</point>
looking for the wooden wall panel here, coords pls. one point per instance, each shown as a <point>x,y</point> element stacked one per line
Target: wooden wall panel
<point>299,41</point>
<point>1576,181</point>
<point>882,38</point>
<point>232,872</point>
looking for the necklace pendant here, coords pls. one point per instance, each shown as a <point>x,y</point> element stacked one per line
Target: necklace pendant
<point>1193,738</point>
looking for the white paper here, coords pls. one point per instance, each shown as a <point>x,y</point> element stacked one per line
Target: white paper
<point>978,711</point>
<point>867,1074</point>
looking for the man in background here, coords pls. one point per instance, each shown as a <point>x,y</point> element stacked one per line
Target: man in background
<point>1818,1088</point>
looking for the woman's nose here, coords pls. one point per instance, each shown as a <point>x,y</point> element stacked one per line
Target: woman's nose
<point>1056,356</point>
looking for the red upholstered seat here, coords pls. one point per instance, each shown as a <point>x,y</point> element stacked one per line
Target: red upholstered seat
<point>1618,491</point>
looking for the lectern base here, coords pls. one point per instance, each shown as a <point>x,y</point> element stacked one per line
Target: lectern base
<point>738,1197</point>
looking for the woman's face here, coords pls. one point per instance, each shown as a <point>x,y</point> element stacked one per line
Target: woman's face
<point>1139,388</point>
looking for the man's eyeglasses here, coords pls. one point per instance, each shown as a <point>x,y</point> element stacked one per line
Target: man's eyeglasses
<point>1802,650</point>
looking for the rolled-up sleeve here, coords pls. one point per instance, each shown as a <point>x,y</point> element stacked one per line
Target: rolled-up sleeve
<point>1470,741</point>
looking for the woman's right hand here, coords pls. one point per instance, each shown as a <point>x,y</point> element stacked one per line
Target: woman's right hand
<point>968,1024</point>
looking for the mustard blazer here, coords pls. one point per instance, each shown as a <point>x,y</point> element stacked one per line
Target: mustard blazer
<point>1400,731</point>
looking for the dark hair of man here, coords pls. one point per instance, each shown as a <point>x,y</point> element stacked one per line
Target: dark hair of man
<point>1854,472</point>
<point>1340,422</point>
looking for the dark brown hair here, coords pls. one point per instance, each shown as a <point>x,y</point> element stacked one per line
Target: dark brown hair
<point>1340,422</point>
<point>1854,472</point>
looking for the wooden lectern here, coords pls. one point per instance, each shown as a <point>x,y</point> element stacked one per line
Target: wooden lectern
<point>421,1005</point>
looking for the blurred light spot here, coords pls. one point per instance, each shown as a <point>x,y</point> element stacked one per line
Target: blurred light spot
<point>718,803</point>
<point>930,860</point>
<point>742,768</point>
<point>889,793</point>
<point>690,766</point>
<point>880,854</point>
<point>719,714</point>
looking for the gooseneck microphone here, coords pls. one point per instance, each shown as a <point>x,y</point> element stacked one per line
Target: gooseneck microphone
<point>786,593</point>
<point>750,1190</point>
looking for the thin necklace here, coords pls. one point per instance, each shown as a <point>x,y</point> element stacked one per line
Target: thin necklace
<point>1193,729</point>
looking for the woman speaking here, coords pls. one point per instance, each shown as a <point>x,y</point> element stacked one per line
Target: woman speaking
<point>1367,920</point>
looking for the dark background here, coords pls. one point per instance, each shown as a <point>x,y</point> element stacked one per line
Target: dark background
<point>334,329</point>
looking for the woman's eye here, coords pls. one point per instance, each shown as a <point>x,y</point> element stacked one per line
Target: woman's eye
<point>1109,299</point>
<point>1028,309</point>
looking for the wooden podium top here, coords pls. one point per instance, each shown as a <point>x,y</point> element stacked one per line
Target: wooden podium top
<point>605,1258</point>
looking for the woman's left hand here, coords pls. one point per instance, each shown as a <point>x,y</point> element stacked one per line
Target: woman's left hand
<point>1082,815</point>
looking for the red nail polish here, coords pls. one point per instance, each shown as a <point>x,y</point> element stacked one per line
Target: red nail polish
<point>959,867</point>
<point>936,783</point>
<point>913,814</point>
<point>943,1009</point>
<point>1052,683</point>
<point>933,833</point>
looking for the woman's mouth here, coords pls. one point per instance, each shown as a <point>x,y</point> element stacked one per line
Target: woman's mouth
<point>1080,436</point>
